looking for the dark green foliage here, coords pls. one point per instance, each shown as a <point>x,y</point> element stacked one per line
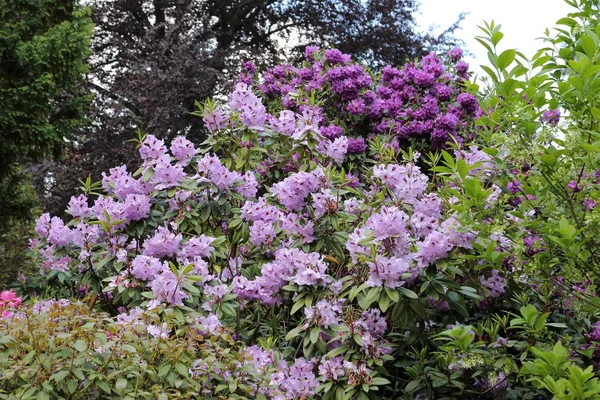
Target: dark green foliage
<point>43,48</point>
<point>17,204</point>
<point>44,45</point>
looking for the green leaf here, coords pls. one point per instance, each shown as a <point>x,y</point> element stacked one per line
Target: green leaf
<point>497,37</point>
<point>412,385</point>
<point>337,351</point>
<point>164,369</point>
<point>314,334</point>
<point>71,386</point>
<point>588,45</point>
<point>408,293</point>
<point>59,376</point>
<point>297,305</point>
<point>506,58</point>
<point>121,384</point>
<point>392,294</point>
<point>567,21</point>
<point>104,386</point>
<point>379,381</point>
<point>182,369</point>
<point>128,348</point>
<point>293,333</point>
<point>384,302</point>
<point>80,345</point>
<point>462,167</point>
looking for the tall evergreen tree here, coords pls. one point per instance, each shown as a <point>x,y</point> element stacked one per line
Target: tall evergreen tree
<point>44,45</point>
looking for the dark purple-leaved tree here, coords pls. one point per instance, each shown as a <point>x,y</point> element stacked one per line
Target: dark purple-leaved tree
<point>153,59</point>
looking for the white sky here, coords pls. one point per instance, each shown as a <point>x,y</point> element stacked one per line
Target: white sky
<point>522,22</point>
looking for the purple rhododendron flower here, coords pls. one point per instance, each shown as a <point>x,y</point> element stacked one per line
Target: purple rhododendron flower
<point>551,117</point>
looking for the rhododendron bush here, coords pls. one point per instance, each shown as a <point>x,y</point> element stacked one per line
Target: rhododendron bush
<point>341,234</point>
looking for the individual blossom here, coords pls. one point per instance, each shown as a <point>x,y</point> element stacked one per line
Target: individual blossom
<point>514,187</point>
<point>293,190</point>
<point>167,287</point>
<point>146,268</point>
<point>389,222</point>
<point>298,381</point>
<point>309,52</point>
<point>137,206</point>
<point>356,145</point>
<point>332,131</point>
<point>323,203</point>
<point>332,369</point>
<point>439,305</point>
<point>551,117</point>
<point>163,244</point>
<point>152,148</point>
<point>589,204</point>
<point>494,284</point>
<point>219,175</point>
<point>9,302</point>
<point>210,324</point>
<point>78,206</point>
<point>374,321</point>
<point>573,186</point>
<point>157,331</point>
<point>462,68</point>
<point>199,246</point>
<point>334,56</point>
<point>352,181</point>
<point>42,225</point>
<point>435,246</point>
<point>292,224</point>
<point>216,119</point>
<point>260,210</point>
<point>213,295</point>
<point>324,313</point>
<point>534,244</point>
<point>183,149</point>
<point>248,185</point>
<point>310,270</point>
<point>356,107</point>
<point>479,161</point>
<point>406,181</point>
<point>58,234</point>
<point>468,103</point>
<point>422,224</point>
<point>335,149</point>
<point>387,271</point>
<point>285,124</point>
<point>456,234</point>
<point>166,175</point>
<point>262,232</point>
<point>353,206</point>
<point>253,113</point>
<point>455,54</point>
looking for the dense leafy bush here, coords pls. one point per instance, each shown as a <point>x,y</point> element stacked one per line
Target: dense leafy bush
<point>342,234</point>
<point>58,348</point>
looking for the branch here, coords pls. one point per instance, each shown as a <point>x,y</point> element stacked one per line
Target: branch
<point>117,98</point>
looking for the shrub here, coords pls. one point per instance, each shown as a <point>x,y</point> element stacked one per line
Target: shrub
<point>343,253</point>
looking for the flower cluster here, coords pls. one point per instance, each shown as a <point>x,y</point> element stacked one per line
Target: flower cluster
<point>9,302</point>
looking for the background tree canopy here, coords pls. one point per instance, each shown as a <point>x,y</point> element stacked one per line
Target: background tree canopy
<point>153,59</point>
<point>44,45</point>
<point>43,50</point>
